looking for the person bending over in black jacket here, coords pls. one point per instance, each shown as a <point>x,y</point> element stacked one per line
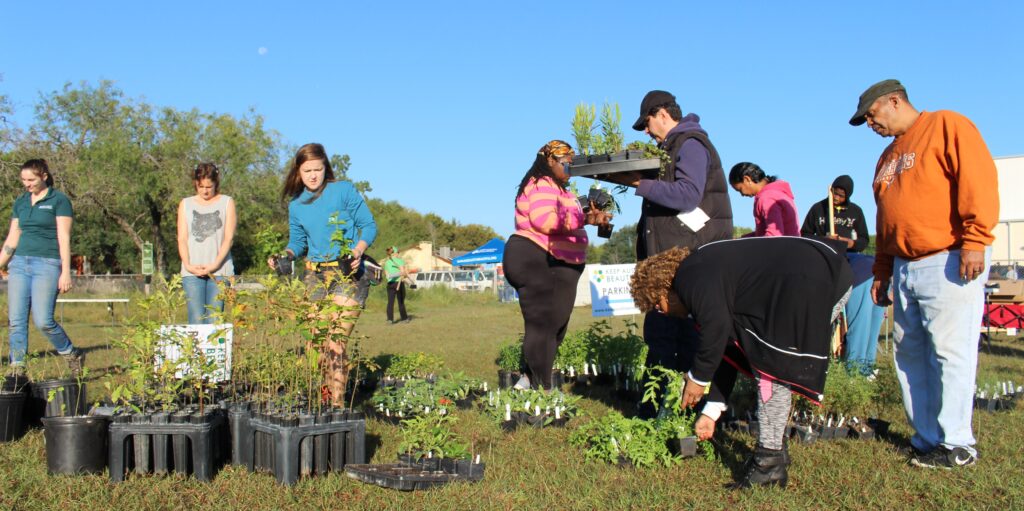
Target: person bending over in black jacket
<point>765,306</point>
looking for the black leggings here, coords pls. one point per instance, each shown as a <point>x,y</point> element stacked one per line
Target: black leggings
<point>396,290</point>
<point>547,292</point>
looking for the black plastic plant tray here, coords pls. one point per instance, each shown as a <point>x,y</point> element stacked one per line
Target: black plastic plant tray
<point>618,168</point>
<point>187,443</point>
<point>403,477</point>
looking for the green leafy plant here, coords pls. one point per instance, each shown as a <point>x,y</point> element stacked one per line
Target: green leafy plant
<point>613,438</point>
<point>414,365</point>
<point>848,393</point>
<point>431,436</point>
<point>417,396</point>
<point>610,138</point>
<point>651,150</point>
<point>544,405</point>
<point>583,127</point>
<point>664,389</point>
<point>574,352</point>
<point>611,132</point>
<point>510,357</point>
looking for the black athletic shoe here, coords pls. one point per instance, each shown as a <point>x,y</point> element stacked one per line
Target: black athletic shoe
<point>942,457</point>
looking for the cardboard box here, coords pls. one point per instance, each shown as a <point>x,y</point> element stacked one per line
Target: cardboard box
<point>1009,291</point>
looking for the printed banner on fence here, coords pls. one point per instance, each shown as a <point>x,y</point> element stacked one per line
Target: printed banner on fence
<point>212,342</point>
<point>609,289</point>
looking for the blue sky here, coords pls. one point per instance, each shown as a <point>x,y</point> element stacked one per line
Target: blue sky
<point>442,105</point>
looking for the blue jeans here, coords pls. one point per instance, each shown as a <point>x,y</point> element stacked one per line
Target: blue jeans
<point>938,321</point>
<point>863,317</point>
<point>201,298</point>
<point>32,286</point>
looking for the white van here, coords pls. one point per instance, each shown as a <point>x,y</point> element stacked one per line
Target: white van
<point>460,280</point>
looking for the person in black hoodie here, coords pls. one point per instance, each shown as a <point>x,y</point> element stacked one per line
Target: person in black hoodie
<point>765,306</point>
<point>849,218</point>
<point>863,317</point>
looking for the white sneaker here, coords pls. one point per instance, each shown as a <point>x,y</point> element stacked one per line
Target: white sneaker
<point>523,383</point>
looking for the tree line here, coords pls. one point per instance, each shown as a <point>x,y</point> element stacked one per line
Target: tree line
<point>126,164</point>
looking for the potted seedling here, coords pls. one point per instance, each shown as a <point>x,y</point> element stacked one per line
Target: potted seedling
<point>602,200</point>
<point>510,363</point>
<point>663,388</point>
<point>430,455</point>
<point>538,408</point>
<point>600,153</point>
<point>75,443</point>
<point>55,391</point>
<point>414,365</point>
<point>13,397</point>
<point>573,355</point>
<point>632,442</point>
<point>429,444</point>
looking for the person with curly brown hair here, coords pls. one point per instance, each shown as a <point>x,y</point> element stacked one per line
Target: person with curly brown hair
<point>765,307</point>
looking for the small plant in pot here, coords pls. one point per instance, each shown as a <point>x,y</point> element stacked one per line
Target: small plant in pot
<point>14,396</point>
<point>625,442</point>
<point>573,356</point>
<point>664,390</point>
<point>417,397</point>
<point>414,365</point>
<point>510,363</point>
<point>429,443</point>
<point>849,399</point>
<point>602,200</point>
<point>538,408</point>
<point>55,391</point>
<point>75,443</point>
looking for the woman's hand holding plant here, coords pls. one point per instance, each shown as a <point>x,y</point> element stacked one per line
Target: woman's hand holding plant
<point>597,217</point>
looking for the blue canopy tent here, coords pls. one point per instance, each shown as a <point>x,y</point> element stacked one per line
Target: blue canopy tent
<point>488,253</point>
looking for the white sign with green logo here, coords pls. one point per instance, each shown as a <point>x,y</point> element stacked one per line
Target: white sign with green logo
<point>212,341</point>
<point>609,289</point>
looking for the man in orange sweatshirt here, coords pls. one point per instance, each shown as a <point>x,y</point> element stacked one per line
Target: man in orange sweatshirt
<point>937,195</point>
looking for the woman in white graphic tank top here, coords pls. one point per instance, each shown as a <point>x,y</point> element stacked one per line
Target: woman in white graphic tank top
<point>206,228</point>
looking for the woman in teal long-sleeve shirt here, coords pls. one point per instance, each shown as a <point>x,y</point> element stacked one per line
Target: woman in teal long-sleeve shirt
<point>324,216</point>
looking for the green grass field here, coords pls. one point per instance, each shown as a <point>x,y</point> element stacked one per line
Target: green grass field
<point>538,469</point>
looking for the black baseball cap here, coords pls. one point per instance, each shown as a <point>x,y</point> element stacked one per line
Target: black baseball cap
<point>651,100</point>
<point>871,95</point>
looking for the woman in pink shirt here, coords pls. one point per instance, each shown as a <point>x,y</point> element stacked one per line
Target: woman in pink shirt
<point>543,260</point>
<point>774,209</point>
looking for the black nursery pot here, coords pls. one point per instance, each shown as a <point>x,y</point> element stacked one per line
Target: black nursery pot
<point>683,446</point>
<point>68,400</point>
<point>76,445</point>
<point>506,379</point>
<point>12,406</point>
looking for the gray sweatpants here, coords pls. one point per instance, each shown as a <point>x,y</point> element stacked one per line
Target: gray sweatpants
<point>774,403</point>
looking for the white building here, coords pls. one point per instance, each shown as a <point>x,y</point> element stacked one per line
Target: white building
<point>1009,243</point>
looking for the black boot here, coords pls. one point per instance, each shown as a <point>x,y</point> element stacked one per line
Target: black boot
<point>766,467</point>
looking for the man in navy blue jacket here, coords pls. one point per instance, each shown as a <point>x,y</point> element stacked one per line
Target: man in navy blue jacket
<point>691,187</point>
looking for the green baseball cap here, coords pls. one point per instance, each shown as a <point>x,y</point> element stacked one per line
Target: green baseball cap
<point>873,93</point>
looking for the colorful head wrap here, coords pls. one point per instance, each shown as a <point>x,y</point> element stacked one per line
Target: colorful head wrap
<point>556,148</point>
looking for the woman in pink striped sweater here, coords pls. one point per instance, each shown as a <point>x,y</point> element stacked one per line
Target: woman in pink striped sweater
<point>544,258</point>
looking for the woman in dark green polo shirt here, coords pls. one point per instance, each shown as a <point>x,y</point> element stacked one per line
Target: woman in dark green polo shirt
<point>38,248</point>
